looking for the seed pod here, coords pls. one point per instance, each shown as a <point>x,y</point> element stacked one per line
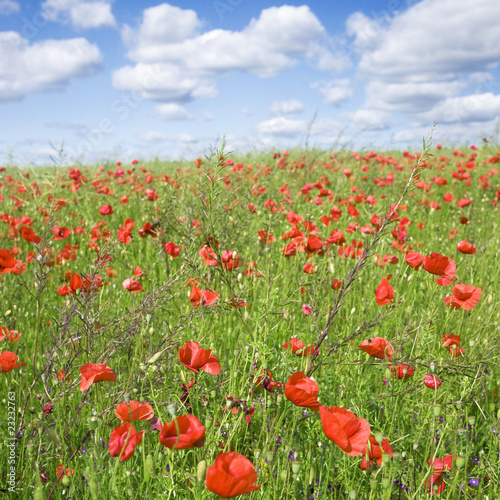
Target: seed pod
<point>201,470</point>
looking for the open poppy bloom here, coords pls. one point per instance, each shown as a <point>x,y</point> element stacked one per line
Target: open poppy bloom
<point>231,475</point>
<point>183,432</point>
<point>432,382</point>
<point>402,371</point>
<point>378,347</point>
<point>464,297</point>
<point>134,410</point>
<point>123,441</point>
<point>194,358</point>
<point>298,347</point>
<point>414,259</point>
<point>11,335</point>
<point>440,265</point>
<point>384,293</point>
<point>8,361</point>
<point>92,373</point>
<point>373,452</point>
<point>200,297</point>
<point>7,261</point>
<point>302,391</point>
<point>132,285</point>
<point>172,249</point>
<point>266,382</point>
<point>466,247</point>
<point>453,342</point>
<point>435,483</point>
<point>27,234</point>
<point>347,431</point>
<point>106,210</point>
<point>61,233</point>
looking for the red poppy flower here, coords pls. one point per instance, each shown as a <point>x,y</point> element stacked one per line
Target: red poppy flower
<point>336,284</point>
<point>147,230</point>
<point>27,234</point>
<point>310,268</point>
<point>183,432</point>
<point>373,451</point>
<point>453,342</point>
<point>302,391</point>
<point>60,471</point>
<point>134,410</point>
<point>432,381</point>
<point>194,358</point>
<point>435,483</point>
<point>92,373</point>
<point>132,285</point>
<point>123,441</point>
<point>106,210</point>
<point>172,249</point>
<point>464,202</point>
<point>200,297</point>
<point>209,256</point>
<point>8,361</point>
<point>298,347</point>
<point>231,475</point>
<point>61,233</point>
<point>265,237</point>
<point>230,260</point>
<point>347,431</point>
<point>7,261</point>
<point>384,293</point>
<point>414,259</point>
<point>266,382</point>
<point>464,296</point>
<point>11,335</point>
<point>466,247</point>
<point>377,347</point>
<point>307,310</point>
<point>440,265</point>
<point>402,371</point>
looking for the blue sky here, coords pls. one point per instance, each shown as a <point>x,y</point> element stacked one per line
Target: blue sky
<point>125,79</point>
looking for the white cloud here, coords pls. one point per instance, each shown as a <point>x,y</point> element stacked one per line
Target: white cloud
<point>470,108</point>
<point>281,127</point>
<point>370,119</point>
<point>286,107</point>
<point>43,66</point>
<point>335,92</point>
<point>82,14</point>
<point>168,42</point>
<point>173,112</point>
<point>418,58</point>
<point>8,7</point>
<point>153,137</point>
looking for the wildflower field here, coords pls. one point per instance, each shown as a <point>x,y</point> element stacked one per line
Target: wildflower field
<point>282,325</point>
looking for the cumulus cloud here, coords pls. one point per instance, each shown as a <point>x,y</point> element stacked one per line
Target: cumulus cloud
<point>469,108</point>
<point>418,58</point>
<point>281,127</point>
<point>335,92</point>
<point>154,137</point>
<point>169,42</point>
<point>42,66</point>
<point>370,119</point>
<point>172,112</point>
<point>81,13</point>
<point>286,107</point>
<point>8,7</point>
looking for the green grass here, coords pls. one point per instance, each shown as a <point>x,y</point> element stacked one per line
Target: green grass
<point>139,335</point>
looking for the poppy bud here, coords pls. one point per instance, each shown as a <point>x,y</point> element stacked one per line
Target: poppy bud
<point>385,458</point>
<point>172,410</point>
<point>66,481</point>
<point>379,437</point>
<point>201,471</point>
<point>437,410</point>
<point>460,462</point>
<point>352,494</point>
<point>149,468</point>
